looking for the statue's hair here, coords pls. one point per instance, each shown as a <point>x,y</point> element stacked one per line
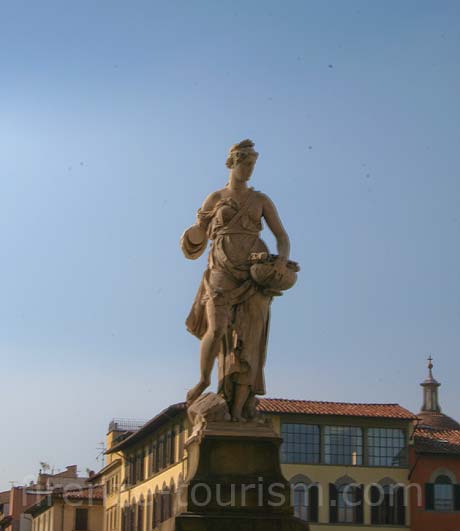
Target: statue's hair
<point>240,151</point>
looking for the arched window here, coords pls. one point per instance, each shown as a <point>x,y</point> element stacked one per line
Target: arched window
<point>388,504</point>
<point>126,518</point>
<point>157,510</point>
<point>140,515</point>
<point>304,498</point>
<point>346,503</point>
<point>172,494</point>
<point>443,495</point>
<point>149,512</point>
<point>133,517</point>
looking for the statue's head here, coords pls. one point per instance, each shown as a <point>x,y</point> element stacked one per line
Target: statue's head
<point>242,159</point>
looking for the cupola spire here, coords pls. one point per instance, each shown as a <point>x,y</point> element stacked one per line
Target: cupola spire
<point>430,391</point>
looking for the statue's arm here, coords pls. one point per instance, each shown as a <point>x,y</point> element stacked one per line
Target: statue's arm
<point>194,240</point>
<point>273,220</point>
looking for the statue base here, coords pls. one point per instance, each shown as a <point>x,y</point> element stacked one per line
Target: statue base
<point>234,481</point>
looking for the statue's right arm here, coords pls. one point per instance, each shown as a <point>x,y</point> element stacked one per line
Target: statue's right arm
<point>194,240</point>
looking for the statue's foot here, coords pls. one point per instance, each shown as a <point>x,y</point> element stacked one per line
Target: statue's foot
<point>195,392</point>
<point>238,418</point>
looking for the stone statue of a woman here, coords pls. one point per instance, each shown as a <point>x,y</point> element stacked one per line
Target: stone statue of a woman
<point>230,314</point>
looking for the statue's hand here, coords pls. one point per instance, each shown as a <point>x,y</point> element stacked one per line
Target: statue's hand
<point>193,242</point>
<point>196,234</point>
<point>280,265</point>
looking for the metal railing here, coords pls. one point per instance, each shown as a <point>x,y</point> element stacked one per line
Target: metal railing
<point>121,424</point>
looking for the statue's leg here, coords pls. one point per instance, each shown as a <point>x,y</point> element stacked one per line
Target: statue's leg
<point>241,396</point>
<point>217,318</point>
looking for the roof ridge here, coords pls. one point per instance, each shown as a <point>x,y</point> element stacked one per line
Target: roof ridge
<point>334,402</point>
<point>437,430</point>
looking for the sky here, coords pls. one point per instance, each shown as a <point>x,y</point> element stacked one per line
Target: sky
<point>115,121</point>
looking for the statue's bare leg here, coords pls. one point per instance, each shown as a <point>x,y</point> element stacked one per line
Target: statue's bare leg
<point>241,396</point>
<point>217,317</point>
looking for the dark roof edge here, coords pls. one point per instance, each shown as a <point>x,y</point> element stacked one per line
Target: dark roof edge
<point>167,414</point>
<point>104,470</point>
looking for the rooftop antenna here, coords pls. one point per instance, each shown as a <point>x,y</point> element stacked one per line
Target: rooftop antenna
<point>101,451</point>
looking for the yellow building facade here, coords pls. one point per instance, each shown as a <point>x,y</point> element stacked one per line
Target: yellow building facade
<point>347,463</point>
<point>79,510</point>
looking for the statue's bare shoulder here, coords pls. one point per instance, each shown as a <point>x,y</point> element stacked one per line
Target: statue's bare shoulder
<point>264,199</point>
<point>211,201</point>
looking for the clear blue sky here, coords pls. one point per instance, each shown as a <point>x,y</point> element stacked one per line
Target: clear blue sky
<point>115,120</point>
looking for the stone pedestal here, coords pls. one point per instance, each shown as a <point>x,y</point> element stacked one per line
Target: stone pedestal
<point>234,481</point>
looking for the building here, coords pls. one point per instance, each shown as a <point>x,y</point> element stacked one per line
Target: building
<point>5,518</point>
<point>332,453</point>
<point>435,464</point>
<point>19,498</point>
<point>68,510</point>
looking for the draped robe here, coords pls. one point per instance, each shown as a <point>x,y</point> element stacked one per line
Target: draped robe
<point>234,230</point>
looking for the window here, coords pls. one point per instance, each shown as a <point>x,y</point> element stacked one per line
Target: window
<point>168,448</point>
<point>343,445</point>
<point>81,519</point>
<point>132,470</point>
<point>386,447</point>
<point>388,505</point>
<point>151,459</point>
<point>305,502</point>
<point>140,516</point>
<point>161,453</point>
<point>133,517</point>
<point>139,467</point>
<point>149,512</point>
<point>126,518</point>
<point>301,443</point>
<point>442,495</point>
<point>346,503</point>
<point>181,442</point>
<point>174,436</point>
<point>157,510</point>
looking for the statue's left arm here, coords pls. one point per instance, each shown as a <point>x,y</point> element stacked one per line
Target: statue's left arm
<point>194,240</point>
<point>273,220</point>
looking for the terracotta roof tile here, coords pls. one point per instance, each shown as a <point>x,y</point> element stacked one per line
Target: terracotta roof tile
<point>278,406</point>
<point>91,493</point>
<point>437,421</point>
<point>437,441</point>
<point>307,407</point>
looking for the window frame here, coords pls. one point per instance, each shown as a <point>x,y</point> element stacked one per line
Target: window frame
<point>81,511</point>
<point>312,448</point>
<point>329,454</point>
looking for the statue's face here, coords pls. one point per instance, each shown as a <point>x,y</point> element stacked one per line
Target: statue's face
<point>243,169</point>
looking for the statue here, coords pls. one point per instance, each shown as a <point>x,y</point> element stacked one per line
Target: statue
<point>230,314</point>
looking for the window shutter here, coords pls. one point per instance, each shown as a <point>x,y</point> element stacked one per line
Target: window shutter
<point>132,470</point>
<point>375,509</point>
<point>332,503</point>
<point>359,513</point>
<point>429,496</point>
<point>154,458</point>
<point>81,519</point>
<point>400,506</point>
<point>313,503</point>
<point>456,497</point>
<point>181,442</point>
